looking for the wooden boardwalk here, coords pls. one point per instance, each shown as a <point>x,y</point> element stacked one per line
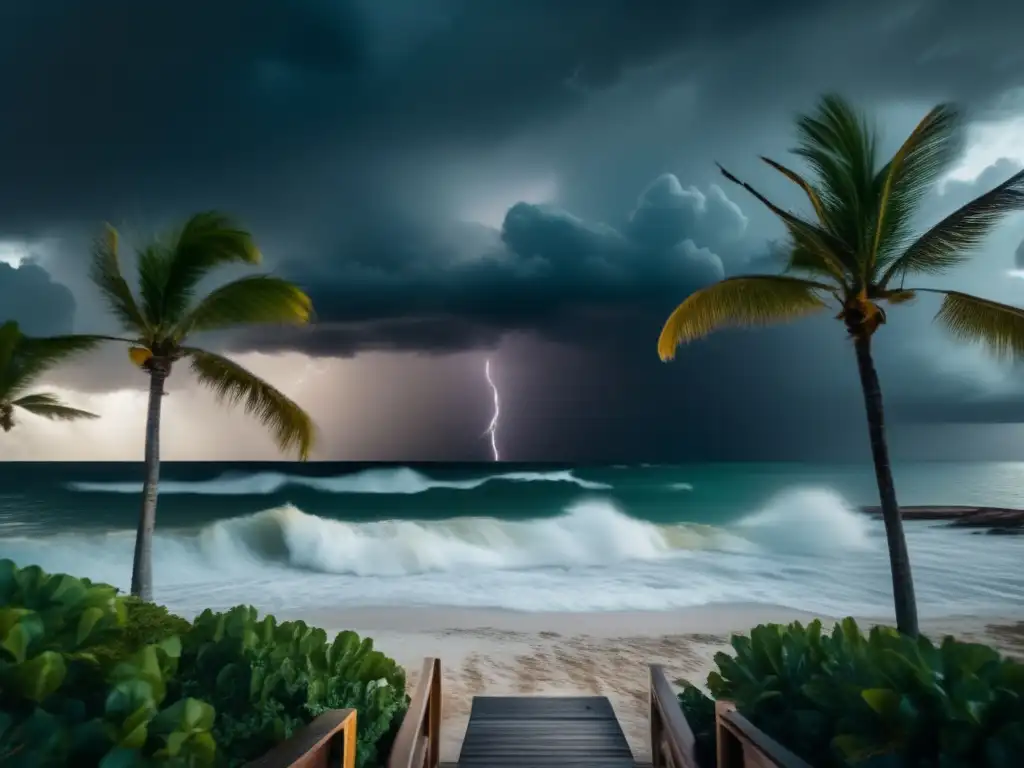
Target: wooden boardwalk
<point>544,732</point>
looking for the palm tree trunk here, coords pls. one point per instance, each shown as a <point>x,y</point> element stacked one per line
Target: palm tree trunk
<point>142,567</point>
<point>899,559</point>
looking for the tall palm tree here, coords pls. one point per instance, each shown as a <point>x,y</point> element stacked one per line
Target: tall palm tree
<point>23,360</point>
<point>165,316</point>
<point>854,251</point>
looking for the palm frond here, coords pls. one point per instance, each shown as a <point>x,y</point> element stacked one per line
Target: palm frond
<point>259,299</point>
<point>910,175</point>
<point>33,356</point>
<point>208,240</point>
<point>999,327</point>
<point>841,148</point>
<point>50,407</point>
<point>291,426</point>
<point>954,239</point>
<point>805,234</point>
<point>752,300</point>
<point>106,274</point>
<point>803,261</point>
<point>808,188</point>
<point>10,335</point>
<point>154,267</point>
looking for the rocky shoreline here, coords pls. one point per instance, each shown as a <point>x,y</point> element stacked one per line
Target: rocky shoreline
<point>999,520</point>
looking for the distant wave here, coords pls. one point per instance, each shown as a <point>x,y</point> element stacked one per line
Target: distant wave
<point>680,486</point>
<point>400,480</point>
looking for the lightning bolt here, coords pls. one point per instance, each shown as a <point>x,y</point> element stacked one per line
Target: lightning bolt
<point>492,428</point>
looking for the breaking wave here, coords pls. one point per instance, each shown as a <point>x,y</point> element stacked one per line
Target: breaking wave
<point>589,533</point>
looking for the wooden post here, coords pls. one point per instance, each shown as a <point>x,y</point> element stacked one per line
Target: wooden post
<point>434,717</point>
<point>657,759</point>
<point>730,751</point>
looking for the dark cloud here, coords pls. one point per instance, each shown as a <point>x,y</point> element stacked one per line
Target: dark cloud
<point>119,109</point>
<point>448,287</point>
<point>349,134</point>
<point>30,296</point>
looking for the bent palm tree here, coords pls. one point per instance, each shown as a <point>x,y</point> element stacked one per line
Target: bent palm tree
<point>856,249</point>
<point>24,359</point>
<point>167,314</point>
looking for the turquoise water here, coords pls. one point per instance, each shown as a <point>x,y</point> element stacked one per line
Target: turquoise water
<point>525,537</point>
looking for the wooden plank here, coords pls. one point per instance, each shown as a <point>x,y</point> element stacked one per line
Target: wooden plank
<point>544,732</point>
<point>538,707</point>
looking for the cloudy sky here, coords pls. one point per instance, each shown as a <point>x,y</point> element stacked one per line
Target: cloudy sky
<point>522,180</point>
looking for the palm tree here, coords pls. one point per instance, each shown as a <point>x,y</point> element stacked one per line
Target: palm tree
<point>165,316</point>
<point>855,249</point>
<point>24,359</point>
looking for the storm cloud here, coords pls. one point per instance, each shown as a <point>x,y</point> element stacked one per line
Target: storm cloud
<point>443,287</point>
<point>29,295</point>
<point>361,140</point>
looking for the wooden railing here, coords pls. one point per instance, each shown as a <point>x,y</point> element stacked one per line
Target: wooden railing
<point>418,742</point>
<point>672,742</point>
<point>327,742</point>
<point>741,745</point>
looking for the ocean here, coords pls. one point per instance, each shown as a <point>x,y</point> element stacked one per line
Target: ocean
<point>289,537</point>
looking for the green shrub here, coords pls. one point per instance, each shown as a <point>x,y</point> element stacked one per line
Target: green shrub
<point>880,700</point>
<point>266,679</point>
<point>145,623</point>
<point>91,678</point>
<point>60,705</point>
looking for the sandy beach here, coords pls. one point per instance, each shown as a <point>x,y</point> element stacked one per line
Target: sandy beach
<point>505,652</point>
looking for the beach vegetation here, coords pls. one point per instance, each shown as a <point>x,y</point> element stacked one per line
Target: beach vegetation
<point>89,677</point>
<point>267,678</point>
<point>853,251</point>
<point>23,360</point>
<point>164,314</point>
<point>60,705</point>
<point>845,698</point>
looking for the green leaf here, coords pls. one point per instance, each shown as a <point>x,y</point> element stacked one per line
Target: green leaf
<point>881,700</point>
<point>10,617</point>
<point>87,623</point>
<point>40,676</point>
<point>197,716</point>
<point>122,757</point>
<point>203,747</point>
<point>175,741</point>
<point>186,715</point>
<point>126,697</point>
<point>22,635</point>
